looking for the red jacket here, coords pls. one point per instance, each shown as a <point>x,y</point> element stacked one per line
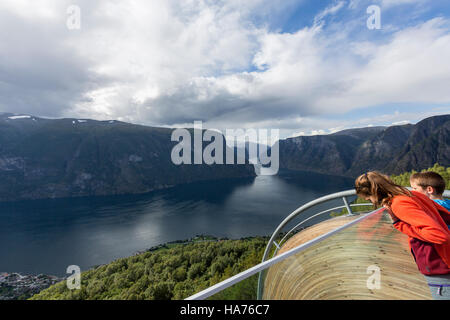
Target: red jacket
<point>425,222</point>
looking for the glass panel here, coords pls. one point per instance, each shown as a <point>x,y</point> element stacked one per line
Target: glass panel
<point>247,289</point>
<point>369,260</point>
<point>316,215</point>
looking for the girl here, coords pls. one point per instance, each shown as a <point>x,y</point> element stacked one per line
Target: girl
<point>421,219</point>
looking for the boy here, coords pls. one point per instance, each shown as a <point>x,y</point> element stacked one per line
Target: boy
<point>430,184</point>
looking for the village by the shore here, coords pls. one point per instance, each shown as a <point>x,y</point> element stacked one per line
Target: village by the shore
<point>15,286</point>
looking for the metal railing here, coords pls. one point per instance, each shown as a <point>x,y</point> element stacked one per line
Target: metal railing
<point>275,259</point>
<point>342,195</point>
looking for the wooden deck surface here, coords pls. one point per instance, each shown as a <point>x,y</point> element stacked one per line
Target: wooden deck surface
<point>337,268</point>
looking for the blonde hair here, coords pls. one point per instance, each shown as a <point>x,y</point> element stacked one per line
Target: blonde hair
<point>380,186</point>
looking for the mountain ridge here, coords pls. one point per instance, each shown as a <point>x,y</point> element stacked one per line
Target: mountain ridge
<point>350,152</point>
<point>55,158</point>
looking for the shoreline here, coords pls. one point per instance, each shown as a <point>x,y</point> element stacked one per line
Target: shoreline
<point>20,286</point>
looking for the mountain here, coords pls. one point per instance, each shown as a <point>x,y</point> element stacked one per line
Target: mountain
<point>326,154</point>
<point>428,143</point>
<point>374,153</point>
<point>251,150</point>
<point>392,150</point>
<point>53,158</point>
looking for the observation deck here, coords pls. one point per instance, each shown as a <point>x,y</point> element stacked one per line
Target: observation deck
<point>356,255</point>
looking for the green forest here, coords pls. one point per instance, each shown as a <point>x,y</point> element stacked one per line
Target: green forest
<point>172,271</point>
<point>403,179</point>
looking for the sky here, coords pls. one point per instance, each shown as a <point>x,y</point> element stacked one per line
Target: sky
<point>303,67</point>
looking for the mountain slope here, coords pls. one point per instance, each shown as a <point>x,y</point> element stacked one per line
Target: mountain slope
<point>171,271</point>
<point>374,153</point>
<point>324,153</point>
<point>45,158</point>
<point>389,149</point>
<point>429,143</point>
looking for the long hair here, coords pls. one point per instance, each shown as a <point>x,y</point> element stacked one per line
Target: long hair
<point>380,186</point>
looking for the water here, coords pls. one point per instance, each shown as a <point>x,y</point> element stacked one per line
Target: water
<point>46,236</point>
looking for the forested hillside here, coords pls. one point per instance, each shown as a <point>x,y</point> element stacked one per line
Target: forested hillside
<point>173,271</point>
<point>403,179</point>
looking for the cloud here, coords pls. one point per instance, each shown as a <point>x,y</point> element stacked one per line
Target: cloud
<point>385,4</point>
<point>330,10</point>
<point>39,73</point>
<point>399,123</point>
<point>392,3</point>
<point>308,73</point>
<point>331,125</point>
<point>172,62</point>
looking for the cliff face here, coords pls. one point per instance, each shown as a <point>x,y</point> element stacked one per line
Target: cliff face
<point>391,150</point>
<point>44,158</point>
<point>428,143</point>
<point>375,153</point>
<point>329,154</point>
